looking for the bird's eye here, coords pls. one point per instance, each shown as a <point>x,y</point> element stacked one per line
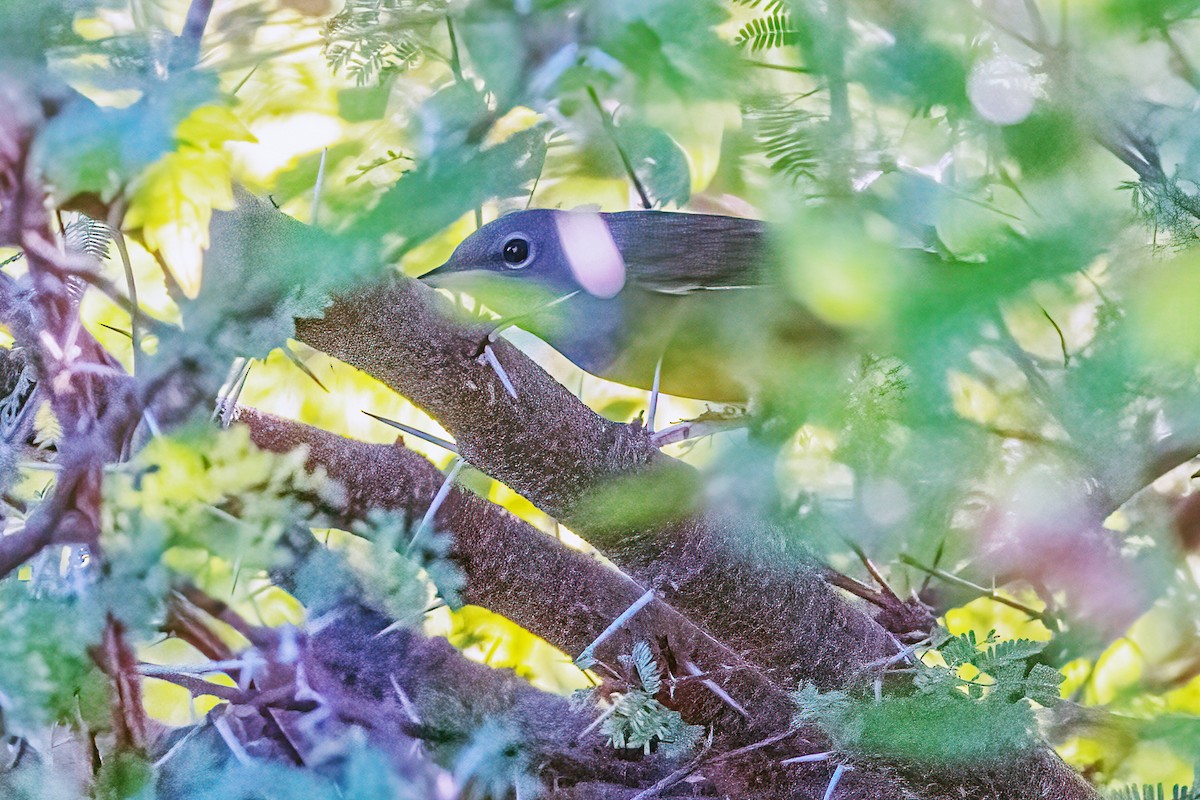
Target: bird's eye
<point>516,252</point>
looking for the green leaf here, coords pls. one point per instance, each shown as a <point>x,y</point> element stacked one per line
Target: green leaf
<point>960,650</point>
<point>363,104</point>
<point>370,38</point>
<point>658,162</point>
<point>503,53</point>
<point>941,729</point>
<point>46,675</point>
<point>1008,682</point>
<point>1151,15</point>
<point>1042,685</point>
<point>443,188</point>
<point>263,270</point>
<point>789,137</point>
<point>87,148</point>
<point>766,5</point>
<point>672,42</point>
<point>647,668</point>
<point>495,763</point>
<point>1049,140</point>
<point>396,572</point>
<point>125,776</point>
<point>453,119</point>
<point>29,30</point>
<point>1007,652</point>
<point>915,72</point>
<point>770,32</point>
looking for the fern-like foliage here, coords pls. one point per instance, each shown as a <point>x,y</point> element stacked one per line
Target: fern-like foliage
<point>636,721</point>
<point>1154,792</point>
<point>399,563</point>
<point>769,6</point>
<point>947,717</point>
<point>768,32</point>
<point>370,38</point>
<point>86,235</point>
<point>788,137</point>
<point>390,157</point>
<point>643,661</point>
<point>1168,208</point>
<point>496,763</point>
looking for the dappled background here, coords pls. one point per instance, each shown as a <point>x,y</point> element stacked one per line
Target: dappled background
<point>992,205</point>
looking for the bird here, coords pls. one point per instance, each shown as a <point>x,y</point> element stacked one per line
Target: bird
<point>625,295</point>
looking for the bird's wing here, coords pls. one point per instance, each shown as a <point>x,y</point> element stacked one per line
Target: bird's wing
<point>676,253</point>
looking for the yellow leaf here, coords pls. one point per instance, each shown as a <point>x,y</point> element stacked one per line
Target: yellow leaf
<point>212,126</point>
<point>515,121</point>
<point>173,204</point>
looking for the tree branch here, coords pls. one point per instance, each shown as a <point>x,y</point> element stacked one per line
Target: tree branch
<point>733,574</point>
<point>560,594</point>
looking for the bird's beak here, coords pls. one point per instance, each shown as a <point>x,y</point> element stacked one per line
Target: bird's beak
<point>436,275</point>
<point>458,277</point>
<point>497,291</point>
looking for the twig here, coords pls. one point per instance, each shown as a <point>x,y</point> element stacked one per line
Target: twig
<point>716,689</point>
<point>295,359</point>
<point>750,748</point>
<point>611,129</point>
<point>197,686</point>
<point>489,355</point>
<point>135,322</point>
<point>1044,617</point>
<point>187,45</point>
<point>244,80</point>
<point>872,569</point>
<point>834,781</point>
<point>455,62</point>
<point>809,759</point>
<point>1062,340</point>
<point>676,776</point>
<point>1039,24</point>
<point>780,67</point>
<point>1186,67</point>
<point>840,122</point>
<point>231,741</point>
<point>114,656</point>
<point>696,429</point>
<point>230,401</point>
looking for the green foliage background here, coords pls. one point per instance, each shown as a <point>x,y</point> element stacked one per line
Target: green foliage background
<point>1018,306</point>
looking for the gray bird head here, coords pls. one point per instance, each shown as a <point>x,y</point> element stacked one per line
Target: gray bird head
<point>556,252</point>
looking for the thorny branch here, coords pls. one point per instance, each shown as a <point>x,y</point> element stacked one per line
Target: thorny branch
<point>556,451</point>
<point>723,611</point>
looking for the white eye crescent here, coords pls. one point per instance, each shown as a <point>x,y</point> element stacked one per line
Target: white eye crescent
<point>591,252</point>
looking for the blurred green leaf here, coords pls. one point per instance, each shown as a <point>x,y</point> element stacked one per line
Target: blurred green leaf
<point>917,72</point>
<point>262,271</point>
<point>46,674</point>
<point>29,30</point>
<point>1153,15</point>
<point>443,188</point>
<point>643,502</point>
<point>89,148</point>
<point>657,161</point>
<point>672,42</point>
<point>1048,140</point>
<point>125,776</point>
